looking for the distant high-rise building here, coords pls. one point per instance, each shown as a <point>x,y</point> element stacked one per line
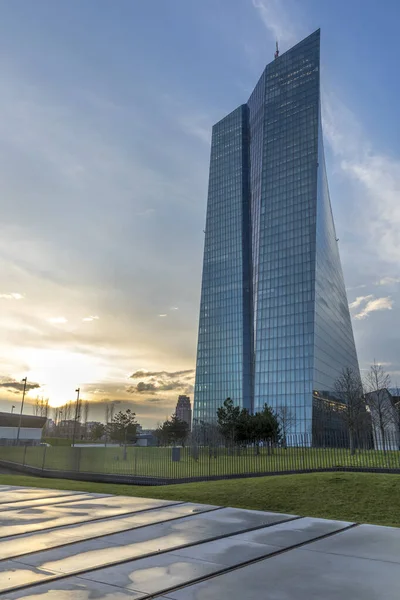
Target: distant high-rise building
<point>184,410</point>
<point>274,322</point>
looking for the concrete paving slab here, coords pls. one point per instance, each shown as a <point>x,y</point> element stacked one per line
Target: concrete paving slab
<point>13,575</point>
<point>34,542</point>
<point>364,541</point>
<point>229,551</point>
<point>119,548</point>
<point>72,588</point>
<point>15,522</point>
<point>14,494</point>
<point>46,501</point>
<point>158,573</point>
<point>155,574</point>
<point>75,558</point>
<point>147,540</point>
<point>301,575</point>
<point>295,532</point>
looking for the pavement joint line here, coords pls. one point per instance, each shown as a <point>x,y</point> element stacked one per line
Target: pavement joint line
<point>60,576</point>
<point>104,535</point>
<point>242,565</point>
<point>41,498</point>
<point>16,535</point>
<point>392,562</point>
<point>63,500</point>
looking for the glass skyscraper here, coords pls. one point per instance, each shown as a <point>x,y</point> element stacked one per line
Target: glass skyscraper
<point>274,321</point>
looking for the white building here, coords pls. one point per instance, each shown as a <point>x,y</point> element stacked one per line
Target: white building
<point>30,432</point>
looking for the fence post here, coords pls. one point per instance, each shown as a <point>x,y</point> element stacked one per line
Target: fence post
<point>44,457</point>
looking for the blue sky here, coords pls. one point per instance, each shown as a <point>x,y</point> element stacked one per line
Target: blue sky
<point>107,110</point>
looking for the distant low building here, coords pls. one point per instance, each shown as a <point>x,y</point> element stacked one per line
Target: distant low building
<point>384,406</point>
<point>183,410</point>
<point>67,427</point>
<point>30,432</point>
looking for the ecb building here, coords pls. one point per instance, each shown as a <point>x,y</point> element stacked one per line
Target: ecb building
<point>274,323</point>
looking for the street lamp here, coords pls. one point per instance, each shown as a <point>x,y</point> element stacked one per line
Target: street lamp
<point>24,381</point>
<point>76,415</point>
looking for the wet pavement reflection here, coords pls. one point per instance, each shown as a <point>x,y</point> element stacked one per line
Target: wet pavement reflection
<point>95,547</point>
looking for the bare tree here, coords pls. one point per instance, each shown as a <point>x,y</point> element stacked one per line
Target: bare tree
<point>41,407</point>
<point>349,390</point>
<point>36,406</point>
<point>287,421</point>
<point>45,407</point>
<point>396,400</point>
<point>85,410</point>
<point>107,413</point>
<point>68,410</point>
<point>376,384</point>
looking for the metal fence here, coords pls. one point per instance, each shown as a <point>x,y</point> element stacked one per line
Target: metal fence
<point>196,462</point>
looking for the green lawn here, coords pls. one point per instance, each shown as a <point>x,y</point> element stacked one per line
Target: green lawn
<point>157,462</point>
<point>360,497</point>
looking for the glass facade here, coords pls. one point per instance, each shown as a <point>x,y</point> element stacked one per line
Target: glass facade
<point>225,331</point>
<point>274,321</point>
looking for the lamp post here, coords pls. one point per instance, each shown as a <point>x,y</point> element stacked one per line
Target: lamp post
<point>76,415</point>
<point>24,381</point>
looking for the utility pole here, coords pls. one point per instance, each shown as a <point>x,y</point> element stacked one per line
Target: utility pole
<point>76,415</point>
<point>24,381</point>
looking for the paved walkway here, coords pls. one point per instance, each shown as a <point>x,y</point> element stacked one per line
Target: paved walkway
<point>60,545</point>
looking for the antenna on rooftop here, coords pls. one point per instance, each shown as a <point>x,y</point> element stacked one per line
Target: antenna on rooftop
<point>277,50</point>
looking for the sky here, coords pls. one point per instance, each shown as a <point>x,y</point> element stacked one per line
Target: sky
<point>106,115</point>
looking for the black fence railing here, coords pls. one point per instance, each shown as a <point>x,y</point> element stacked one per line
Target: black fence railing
<point>213,460</point>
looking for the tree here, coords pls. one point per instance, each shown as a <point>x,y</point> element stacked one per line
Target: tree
<point>172,431</point>
<point>237,425</point>
<point>205,433</point>
<point>97,431</point>
<point>349,390</point>
<point>264,426</point>
<point>179,430</point>
<point>228,417</point>
<point>376,383</point>
<point>287,420</point>
<point>123,427</point>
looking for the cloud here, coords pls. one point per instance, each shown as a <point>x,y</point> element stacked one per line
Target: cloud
<point>141,374</point>
<point>356,287</point>
<point>377,174</point>
<point>277,21</point>
<point>359,300</point>
<point>57,320</point>
<point>163,381</point>
<point>374,305</point>
<point>146,213</point>
<point>161,386</point>
<point>12,296</point>
<point>91,318</point>
<point>163,315</point>
<point>197,126</point>
<point>144,387</point>
<point>12,384</point>
<point>388,280</point>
